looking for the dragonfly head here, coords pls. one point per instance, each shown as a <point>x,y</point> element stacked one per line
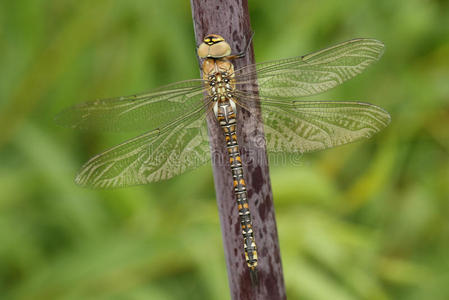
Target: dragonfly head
<point>214,46</point>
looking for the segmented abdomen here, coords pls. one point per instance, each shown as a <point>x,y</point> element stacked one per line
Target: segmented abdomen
<point>225,113</point>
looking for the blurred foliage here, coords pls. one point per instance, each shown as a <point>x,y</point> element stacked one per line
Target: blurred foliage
<point>368,220</point>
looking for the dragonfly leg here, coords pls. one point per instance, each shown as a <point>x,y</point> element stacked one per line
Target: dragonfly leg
<point>243,53</point>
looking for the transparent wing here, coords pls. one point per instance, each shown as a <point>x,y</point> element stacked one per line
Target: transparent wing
<point>310,74</point>
<point>136,112</point>
<point>302,126</point>
<point>154,156</point>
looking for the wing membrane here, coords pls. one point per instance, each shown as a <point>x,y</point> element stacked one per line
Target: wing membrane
<point>136,112</point>
<point>154,156</point>
<point>290,126</point>
<point>310,74</point>
<point>300,126</point>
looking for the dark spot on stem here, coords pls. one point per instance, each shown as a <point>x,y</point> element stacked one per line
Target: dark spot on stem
<point>263,210</point>
<point>257,178</point>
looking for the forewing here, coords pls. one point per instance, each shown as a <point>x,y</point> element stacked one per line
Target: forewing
<point>137,112</point>
<point>310,74</point>
<point>154,156</point>
<point>300,126</point>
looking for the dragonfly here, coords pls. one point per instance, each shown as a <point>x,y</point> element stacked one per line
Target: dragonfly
<point>175,117</point>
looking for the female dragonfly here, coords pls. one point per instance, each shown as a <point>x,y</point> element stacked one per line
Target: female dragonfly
<point>177,112</point>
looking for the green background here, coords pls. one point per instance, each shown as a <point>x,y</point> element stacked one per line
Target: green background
<point>368,220</point>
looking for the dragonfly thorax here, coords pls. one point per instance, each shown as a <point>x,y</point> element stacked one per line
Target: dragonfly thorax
<point>220,86</point>
<point>219,74</point>
<point>221,90</point>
